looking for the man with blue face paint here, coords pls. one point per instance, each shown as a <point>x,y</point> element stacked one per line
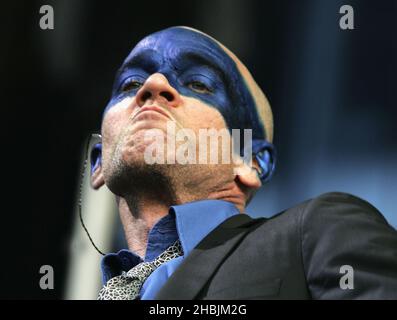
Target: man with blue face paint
<point>186,229</point>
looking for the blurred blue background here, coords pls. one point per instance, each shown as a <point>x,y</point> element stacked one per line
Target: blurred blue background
<point>333,94</point>
<point>334,100</point>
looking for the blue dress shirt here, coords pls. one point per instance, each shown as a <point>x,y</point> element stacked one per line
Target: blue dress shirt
<point>189,222</point>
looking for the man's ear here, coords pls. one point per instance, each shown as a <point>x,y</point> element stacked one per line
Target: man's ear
<point>265,155</point>
<point>97,180</point>
<point>263,165</point>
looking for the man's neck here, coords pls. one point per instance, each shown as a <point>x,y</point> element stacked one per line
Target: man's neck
<point>138,219</point>
<point>139,214</point>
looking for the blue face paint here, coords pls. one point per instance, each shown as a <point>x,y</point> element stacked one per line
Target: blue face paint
<point>196,66</point>
<point>187,58</point>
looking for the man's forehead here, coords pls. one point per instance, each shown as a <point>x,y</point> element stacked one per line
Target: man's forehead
<point>180,42</point>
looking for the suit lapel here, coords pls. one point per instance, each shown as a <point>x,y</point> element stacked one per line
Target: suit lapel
<point>198,267</point>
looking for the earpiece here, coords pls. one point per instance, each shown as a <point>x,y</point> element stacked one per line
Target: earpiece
<point>95,142</point>
<point>96,156</point>
<point>265,155</point>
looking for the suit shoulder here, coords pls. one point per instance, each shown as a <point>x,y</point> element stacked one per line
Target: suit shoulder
<point>340,204</point>
<point>329,207</point>
<point>342,197</point>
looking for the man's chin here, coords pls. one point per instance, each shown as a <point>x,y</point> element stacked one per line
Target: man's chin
<point>133,176</point>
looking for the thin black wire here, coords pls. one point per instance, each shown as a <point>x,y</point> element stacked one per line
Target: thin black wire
<point>81,197</point>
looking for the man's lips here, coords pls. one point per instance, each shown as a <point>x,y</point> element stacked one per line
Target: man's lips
<point>152,109</point>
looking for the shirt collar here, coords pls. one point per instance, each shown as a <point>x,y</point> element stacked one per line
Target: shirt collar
<point>190,222</point>
<point>194,220</point>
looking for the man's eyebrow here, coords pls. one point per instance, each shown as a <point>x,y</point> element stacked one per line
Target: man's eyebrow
<point>141,60</point>
<point>201,57</point>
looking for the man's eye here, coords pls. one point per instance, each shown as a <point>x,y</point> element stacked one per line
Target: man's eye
<point>131,85</point>
<point>199,87</point>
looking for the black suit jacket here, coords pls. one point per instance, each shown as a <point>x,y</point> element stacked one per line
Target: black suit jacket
<point>296,254</point>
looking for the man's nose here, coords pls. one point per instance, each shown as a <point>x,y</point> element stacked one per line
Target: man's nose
<point>157,88</point>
